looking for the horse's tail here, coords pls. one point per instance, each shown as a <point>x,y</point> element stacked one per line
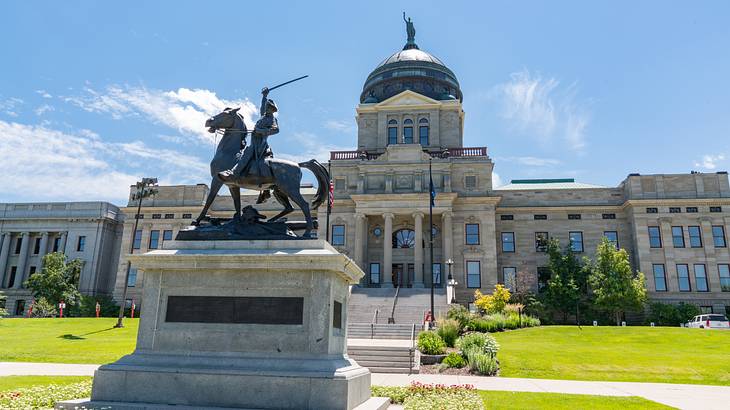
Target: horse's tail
<point>323,181</point>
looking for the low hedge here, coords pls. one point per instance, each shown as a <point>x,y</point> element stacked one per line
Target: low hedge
<point>498,322</point>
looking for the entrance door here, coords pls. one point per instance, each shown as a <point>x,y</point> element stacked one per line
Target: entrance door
<point>397,274</point>
<point>411,274</point>
<point>19,307</point>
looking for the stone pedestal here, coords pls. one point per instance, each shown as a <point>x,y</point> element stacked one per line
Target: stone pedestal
<point>239,324</point>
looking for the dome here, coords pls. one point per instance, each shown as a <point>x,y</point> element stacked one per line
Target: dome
<point>411,69</point>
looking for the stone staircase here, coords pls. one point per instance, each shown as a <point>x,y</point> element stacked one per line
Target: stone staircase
<point>385,358</point>
<point>409,308</point>
<point>380,331</point>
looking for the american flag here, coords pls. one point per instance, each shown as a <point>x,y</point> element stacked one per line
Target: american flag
<point>331,198</point>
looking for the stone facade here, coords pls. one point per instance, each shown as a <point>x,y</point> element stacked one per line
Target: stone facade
<point>89,231</point>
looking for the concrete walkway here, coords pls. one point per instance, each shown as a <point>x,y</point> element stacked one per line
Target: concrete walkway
<point>683,396</point>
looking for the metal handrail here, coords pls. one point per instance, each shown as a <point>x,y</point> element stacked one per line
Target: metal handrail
<point>375,317</point>
<point>391,319</point>
<point>413,348</point>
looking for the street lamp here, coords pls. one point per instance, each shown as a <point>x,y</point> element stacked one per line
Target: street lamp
<point>451,283</point>
<point>145,188</point>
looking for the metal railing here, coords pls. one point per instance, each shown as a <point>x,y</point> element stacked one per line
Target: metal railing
<point>459,152</point>
<point>413,349</point>
<point>373,323</point>
<point>391,319</point>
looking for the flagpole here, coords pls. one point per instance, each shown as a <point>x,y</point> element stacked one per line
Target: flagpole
<point>431,197</point>
<point>329,201</point>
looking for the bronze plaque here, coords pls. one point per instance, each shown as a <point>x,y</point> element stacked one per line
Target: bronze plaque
<point>235,309</point>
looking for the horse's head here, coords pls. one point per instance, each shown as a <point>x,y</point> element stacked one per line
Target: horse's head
<point>224,120</point>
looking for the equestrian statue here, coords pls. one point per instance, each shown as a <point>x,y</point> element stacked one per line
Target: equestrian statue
<point>239,165</point>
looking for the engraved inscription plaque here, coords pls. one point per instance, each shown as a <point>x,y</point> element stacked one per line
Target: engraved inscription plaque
<point>337,315</point>
<point>235,309</point>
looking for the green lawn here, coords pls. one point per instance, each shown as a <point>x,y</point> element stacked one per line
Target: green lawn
<point>72,340</point>
<point>11,383</point>
<point>641,354</point>
<point>498,400</point>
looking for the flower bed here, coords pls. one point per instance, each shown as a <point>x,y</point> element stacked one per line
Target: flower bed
<point>419,396</point>
<point>43,397</point>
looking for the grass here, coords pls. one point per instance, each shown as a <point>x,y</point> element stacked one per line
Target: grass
<point>639,354</point>
<point>11,383</point>
<point>498,400</point>
<point>71,340</point>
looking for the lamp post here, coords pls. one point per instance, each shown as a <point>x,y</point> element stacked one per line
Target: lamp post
<point>451,283</point>
<point>145,188</point>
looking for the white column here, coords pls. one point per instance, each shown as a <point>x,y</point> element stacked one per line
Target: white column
<point>418,250</point>
<point>4,253</point>
<point>44,246</point>
<point>359,222</point>
<point>388,249</point>
<point>447,242</point>
<point>62,244</point>
<point>22,260</point>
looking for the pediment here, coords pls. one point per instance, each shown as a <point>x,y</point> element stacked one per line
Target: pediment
<point>407,97</point>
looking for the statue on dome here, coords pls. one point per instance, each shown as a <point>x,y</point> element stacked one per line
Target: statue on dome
<point>410,30</point>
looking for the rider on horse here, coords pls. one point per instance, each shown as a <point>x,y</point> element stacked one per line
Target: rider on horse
<point>252,160</point>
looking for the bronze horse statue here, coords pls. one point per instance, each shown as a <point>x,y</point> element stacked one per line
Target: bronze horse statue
<point>285,180</point>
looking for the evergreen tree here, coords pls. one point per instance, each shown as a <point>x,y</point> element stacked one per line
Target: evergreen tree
<point>57,281</point>
<point>616,287</point>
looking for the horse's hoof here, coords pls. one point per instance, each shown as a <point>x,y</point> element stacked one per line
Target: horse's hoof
<point>195,223</point>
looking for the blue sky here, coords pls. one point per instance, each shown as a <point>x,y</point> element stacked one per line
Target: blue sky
<point>95,95</point>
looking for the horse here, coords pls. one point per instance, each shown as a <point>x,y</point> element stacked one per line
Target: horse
<point>285,180</point>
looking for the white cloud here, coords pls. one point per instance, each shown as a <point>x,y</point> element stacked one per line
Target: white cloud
<point>40,163</point>
<point>184,110</point>
<point>43,93</point>
<point>538,106</point>
<point>43,109</point>
<point>10,105</point>
<point>496,180</point>
<point>339,125</point>
<point>710,161</point>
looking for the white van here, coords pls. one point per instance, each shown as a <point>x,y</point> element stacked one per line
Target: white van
<point>709,321</point>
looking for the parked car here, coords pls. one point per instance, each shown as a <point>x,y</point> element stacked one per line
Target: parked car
<point>709,322</point>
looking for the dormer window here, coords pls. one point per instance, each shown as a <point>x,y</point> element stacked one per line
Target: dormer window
<point>408,131</point>
<point>392,132</point>
<point>423,132</point>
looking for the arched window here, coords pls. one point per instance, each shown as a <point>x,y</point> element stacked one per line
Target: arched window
<point>392,132</point>
<point>408,131</point>
<point>423,132</point>
<point>404,238</point>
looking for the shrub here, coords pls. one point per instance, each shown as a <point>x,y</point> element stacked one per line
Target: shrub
<point>87,307</point>
<point>432,396</point>
<point>493,303</point>
<point>454,360</point>
<point>431,343</point>
<point>513,308</point>
<point>461,314</point>
<point>3,312</point>
<point>448,330</point>
<point>43,308</point>
<point>43,396</point>
<point>397,394</point>
<point>483,343</point>
<point>482,363</point>
<point>498,321</point>
<point>665,314</point>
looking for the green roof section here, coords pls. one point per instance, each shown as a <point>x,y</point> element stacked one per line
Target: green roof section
<point>542,181</point>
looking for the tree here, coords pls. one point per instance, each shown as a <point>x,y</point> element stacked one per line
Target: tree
<point>567,285</point>
<point>616,287</point>
<point>3,312</point>
<point>57,281</point>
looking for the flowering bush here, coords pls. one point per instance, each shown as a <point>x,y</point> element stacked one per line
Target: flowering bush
<point>42,397</point>
<point>493,303</point>
<point>483,343</point>
<point>482,363</point>
<point>420,396</point>
<point>431,343</point>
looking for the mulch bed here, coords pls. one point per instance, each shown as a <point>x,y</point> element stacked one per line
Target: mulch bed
<point>434,369</point>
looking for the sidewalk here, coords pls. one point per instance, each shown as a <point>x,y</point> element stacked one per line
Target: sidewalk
<point>683,396</point>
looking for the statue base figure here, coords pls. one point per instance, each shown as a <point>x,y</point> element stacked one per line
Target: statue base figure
<point>247,227</point>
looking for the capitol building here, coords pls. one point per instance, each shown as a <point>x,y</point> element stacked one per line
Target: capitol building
<point>410,117</point>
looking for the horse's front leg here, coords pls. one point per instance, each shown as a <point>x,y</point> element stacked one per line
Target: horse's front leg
<point>215,186</point>
<point>236,195</point>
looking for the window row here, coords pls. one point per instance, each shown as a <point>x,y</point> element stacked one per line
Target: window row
<point>694,233</point>
<point>406,238</point>
<point>683,278</point>
<point>80,245</point>
<point>575,239</point>
<point>542,217</point>
<point>166,216</point>
<point>154,240</point>
<point>472,272</point>
<point>678,209</point>
<point>407,135</point>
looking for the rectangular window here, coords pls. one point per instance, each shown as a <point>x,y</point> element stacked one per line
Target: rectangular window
<point>187,216</point>
<point>339,184</point>
<point>139,216</point>
<point>56,244</point>
<point>540,217</point>
<point>683,278</point>
<point>508,241</point>
<point>507,217</point>
<point>473,274</point>
<point>470,182</point>
<point>132,281</point>
<point>678,237</point>
<point>573,216</point>
<point>715,209</point>
<point>408,135</point>
<point>541,241</point>
<point>724,272</point>
<point>612,237</point>
<point>675,210</point>
<point>718,236</point>
<point>695,236</point>
<point>338,235</point>
<point>18,244</point>
<point>510,277</point>
<point>436,273</point>
<point>691,209</point>
<point>701,278</point>
<point>154,240</point>
<point>13,273</point>
<point>374,273</point>
<point>652,210</point>
<point>660,279</point>
<point>576,241</point>
<point>543,276</point>
<point>423,135</point>
<point>608,216</point>
<point>392,135</point>
<point>32,271</point>
<point>37,246</point>
<point>472,234</point>
<point>156,216</point>
<point>137,239</point>
<point>81,244</point>
<point>655,237</point>
<point>166,235</point>
<point>705,309</point>
<point>169,216</point>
